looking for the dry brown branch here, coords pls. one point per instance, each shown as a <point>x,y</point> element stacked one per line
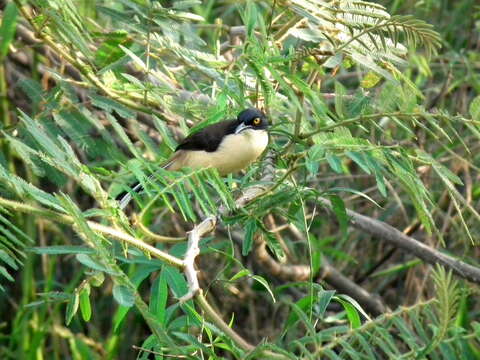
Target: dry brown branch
<point>370,302</point>
<point>388,233</point>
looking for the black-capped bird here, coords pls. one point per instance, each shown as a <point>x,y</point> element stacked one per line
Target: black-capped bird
<point>229,146</point>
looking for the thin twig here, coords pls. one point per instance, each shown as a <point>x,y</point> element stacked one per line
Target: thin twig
<point>229,332</point>
<point>212,314</point>
<point>358,119</point>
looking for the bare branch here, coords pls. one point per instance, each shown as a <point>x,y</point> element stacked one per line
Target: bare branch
<point>371,302</point>
<point>193,250</point>
<point>388,233</point>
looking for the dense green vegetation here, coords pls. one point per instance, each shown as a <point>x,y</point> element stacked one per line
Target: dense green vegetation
<point>354,237</point>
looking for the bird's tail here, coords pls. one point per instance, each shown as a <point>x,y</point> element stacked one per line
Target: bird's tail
<point>125,198</point>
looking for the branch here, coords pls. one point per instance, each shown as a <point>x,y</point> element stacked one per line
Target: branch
<point>212,314</point>
<point>193,250</point>
<point>371,302</point>
<point>383,231</point>
<point>208,225</point>
<point>99,228</point>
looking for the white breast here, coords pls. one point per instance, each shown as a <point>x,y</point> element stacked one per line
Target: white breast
<point>235,152</point>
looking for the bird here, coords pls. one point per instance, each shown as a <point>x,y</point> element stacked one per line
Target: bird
<point>228,146</point>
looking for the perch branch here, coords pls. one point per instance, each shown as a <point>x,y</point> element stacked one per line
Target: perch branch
<point>193,250</point>
<point>209,224</point>
<point>395,237</point>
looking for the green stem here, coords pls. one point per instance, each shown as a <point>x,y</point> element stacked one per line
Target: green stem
<point>5,117</point>
<point>228,331</point>
<point>358,119</point>
<point>5,120</point>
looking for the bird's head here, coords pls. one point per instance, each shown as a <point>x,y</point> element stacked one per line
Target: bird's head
<point>251,119</point>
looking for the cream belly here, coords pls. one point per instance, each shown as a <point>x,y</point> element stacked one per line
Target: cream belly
<point>236,152</point>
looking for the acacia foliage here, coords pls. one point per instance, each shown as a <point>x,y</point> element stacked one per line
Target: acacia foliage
<point>98,93</point>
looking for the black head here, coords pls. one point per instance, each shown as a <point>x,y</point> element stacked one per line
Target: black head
<point>251,119</point>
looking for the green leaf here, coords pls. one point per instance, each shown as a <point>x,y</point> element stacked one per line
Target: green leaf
<point>123,295</point>
<point>136,59</point>
<point>314,155</point>
<point>251,17</point>
<point>165,133</point>
<point>475,108</point>
<point>352,313</point>
<point>185,4</point>
<point>250,229</point>
<point>352,308</point>
<point>110,105</point>
<point>8,259</point>
<point>370,80</point>
<point>335,163</point>
<point>240,274</point>
<point>395,269</point>
<point>274,246</point>
<point>23,188</point>
<point>360,160</point>
<point>72,307</point>
<point>159,297</point>
<point>85,306</point>
<point>381,184</point>
<point>316,152</point>
<point>92,264</point>
<point>61,250</point>
<point>109,51</point>
<point>324,298</point>
<point>187,16</point>
<point>4,272</point>
<point>7,29</point>
<point>340,211</point>
<point>141,274</point>
<point>356,192</point>
<point>264,283</point>
<point>176,281</point>
<point>339,96</point>
<point>33,89</point>
<point>97,279</point>
<point>304,305</point>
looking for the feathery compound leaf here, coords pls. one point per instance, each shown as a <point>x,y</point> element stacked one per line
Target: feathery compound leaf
<point>192,62</point>
<point>448,296</point>
<point>204,184</point>
<point>7,28</point>
<point>365,31</point>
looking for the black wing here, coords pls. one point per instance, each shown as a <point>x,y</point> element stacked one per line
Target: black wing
<point>209,138</point>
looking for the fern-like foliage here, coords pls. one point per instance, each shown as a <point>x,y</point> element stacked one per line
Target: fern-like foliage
<point>85,138</point>
<point>13,242</point>
<point>362,30</point>
<point>424,329</point>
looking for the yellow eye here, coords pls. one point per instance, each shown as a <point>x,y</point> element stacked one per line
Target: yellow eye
<point>257,121</point>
